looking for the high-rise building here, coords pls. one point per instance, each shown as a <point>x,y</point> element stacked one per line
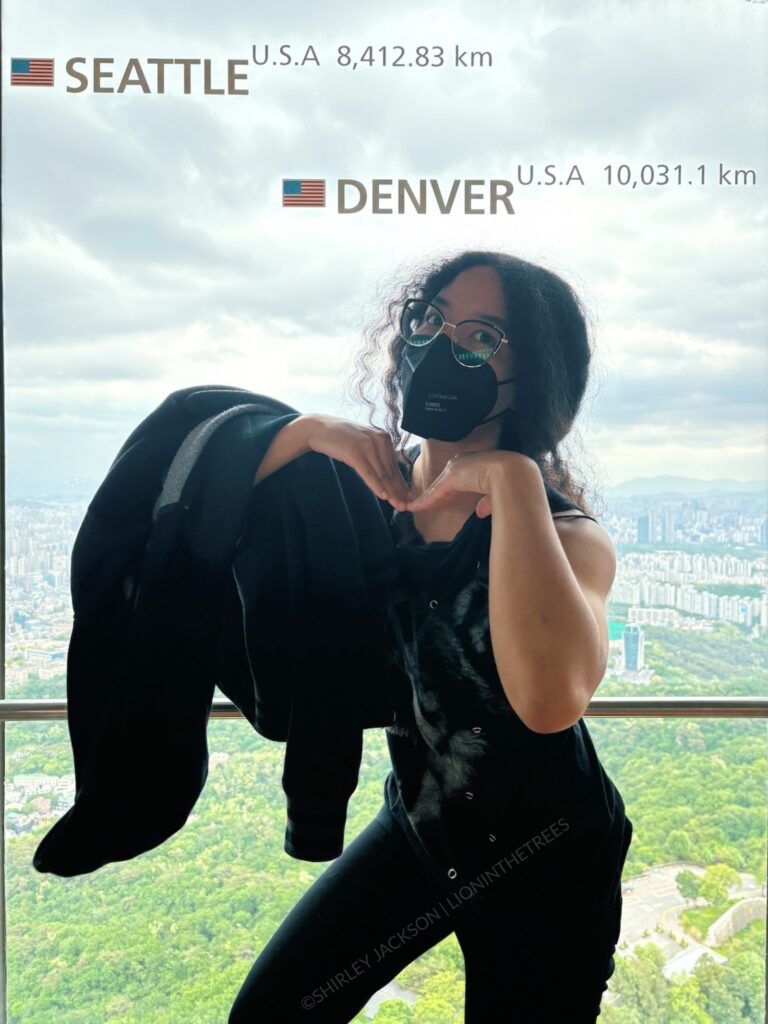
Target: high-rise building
<point>634,642</point>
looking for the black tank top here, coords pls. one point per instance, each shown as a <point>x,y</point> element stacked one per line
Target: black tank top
<point>468,777</point>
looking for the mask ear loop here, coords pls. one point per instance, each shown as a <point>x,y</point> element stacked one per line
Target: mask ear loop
<point>496,415</point>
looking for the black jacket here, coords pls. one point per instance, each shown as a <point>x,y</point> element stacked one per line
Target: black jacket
<point>185,576</point>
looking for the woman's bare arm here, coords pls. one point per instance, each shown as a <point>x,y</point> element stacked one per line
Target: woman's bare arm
<point>288,444</point>
<point>368,450</point>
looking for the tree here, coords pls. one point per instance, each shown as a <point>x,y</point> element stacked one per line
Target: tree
<point>688,884</point>
<point>391,1011</point>
<point>685,1003</point>
<point>679,845</point>
<point>721,991</point>
<point>640,984</point>
<point>718,878</point>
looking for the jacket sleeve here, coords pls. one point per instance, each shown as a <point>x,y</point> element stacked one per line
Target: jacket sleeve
<point>318,642</point>
<point>296,690</point>
<point>320,773</point>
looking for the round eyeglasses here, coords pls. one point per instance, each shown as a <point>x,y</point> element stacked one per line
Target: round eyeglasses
<point>473,342</point>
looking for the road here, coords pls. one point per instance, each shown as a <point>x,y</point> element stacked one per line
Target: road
<point>652,898</point>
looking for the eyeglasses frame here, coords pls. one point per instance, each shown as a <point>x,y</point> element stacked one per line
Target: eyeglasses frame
<point>503,340</point>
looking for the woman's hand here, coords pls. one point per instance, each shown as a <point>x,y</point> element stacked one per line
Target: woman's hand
<point>368,450</point>
<point>472,472</point>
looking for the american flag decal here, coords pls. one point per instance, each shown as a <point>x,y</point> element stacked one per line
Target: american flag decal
<point>31,70</point>
<point>303,191</point>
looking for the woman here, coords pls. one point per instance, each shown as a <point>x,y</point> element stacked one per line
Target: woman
<point>498,822</point>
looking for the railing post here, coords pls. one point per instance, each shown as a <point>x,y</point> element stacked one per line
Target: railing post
<point>3,921</point>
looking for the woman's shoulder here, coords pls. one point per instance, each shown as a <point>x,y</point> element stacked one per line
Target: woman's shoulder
<point>562,507</point>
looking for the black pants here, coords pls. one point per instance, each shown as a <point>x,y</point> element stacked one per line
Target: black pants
<point>376,908</point>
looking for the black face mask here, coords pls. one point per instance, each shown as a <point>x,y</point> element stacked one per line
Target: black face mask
<point>442,399</point>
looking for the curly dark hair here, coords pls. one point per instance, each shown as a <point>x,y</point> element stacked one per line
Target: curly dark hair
<point>554,360</point>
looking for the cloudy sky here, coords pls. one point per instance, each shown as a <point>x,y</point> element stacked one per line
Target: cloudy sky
<point>145,247</point>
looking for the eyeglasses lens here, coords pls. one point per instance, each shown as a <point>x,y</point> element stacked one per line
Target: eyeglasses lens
<point>473,341</point>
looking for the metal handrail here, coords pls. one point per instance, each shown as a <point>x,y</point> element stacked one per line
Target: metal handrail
<point>600,707</point>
